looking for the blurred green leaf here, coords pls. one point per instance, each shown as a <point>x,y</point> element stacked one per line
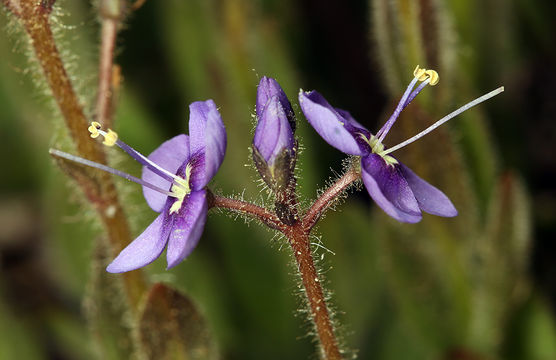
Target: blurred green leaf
<point>534,333</point>
<point>501,263</point>
<point>18,340</point>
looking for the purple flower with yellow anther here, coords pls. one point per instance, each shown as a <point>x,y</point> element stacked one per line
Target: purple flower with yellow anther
<point>173,179</point>
<point>393,186</point>
<point>274,143</point>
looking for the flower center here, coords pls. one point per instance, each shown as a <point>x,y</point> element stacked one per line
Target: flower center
<point>378,148</point>
<point>180,189</point>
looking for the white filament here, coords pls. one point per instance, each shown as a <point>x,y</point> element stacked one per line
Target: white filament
<point>110,170</point>
<point>445,119</point>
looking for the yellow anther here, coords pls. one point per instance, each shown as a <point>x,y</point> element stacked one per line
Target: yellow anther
<point>94,128</point>
<point>424,74</point>
<point>420,73</point>
<point>433,76</point>
<point>110,138</point>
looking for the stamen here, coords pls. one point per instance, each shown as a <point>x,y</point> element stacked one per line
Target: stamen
<point>110,170</point>
<point>419,73</point>
<point>386,127</point>
<point>93,129</point>
<point>433,76</point>
<point>111,138</point>
<point>427,77</point>
<point>181,191</point>
<point>416,92</point>
<point>445,119</point>
<point>378,148</point>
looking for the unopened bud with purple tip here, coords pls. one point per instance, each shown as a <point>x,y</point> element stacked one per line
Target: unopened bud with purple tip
<point>274,146</point>
<point>267,89</point>
<point>274,143</point>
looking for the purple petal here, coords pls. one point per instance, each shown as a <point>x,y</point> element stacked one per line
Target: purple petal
<point>145,249</point>
<point>350,120</point>
<point>430,199</point>
<point>273,132</point>
<point>329,124</point>
<point>389,189</point>
<point>207,140</point>
<point>169,156</point>
<point>188,227</point>
<point>267,89</point>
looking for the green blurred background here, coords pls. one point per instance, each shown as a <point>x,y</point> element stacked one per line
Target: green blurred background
<point>480,286</point>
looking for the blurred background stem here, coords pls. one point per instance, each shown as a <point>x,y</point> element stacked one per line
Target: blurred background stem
<point>97,186</point>
<point>110,14</point>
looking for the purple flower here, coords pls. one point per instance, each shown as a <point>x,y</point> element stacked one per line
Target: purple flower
<point>184,165</point>
<point>392,185</point>
<point>274,143</point>
<point>174,179</point>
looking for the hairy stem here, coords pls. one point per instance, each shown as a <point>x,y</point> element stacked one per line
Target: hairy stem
<point>111,11</point>
<point>246,208</point>
<point>298,237</point>
<point>97,186</point>
<point>298,233</point>
<point>328,198</point>
<point>299,240</point>
<point>104,108</point>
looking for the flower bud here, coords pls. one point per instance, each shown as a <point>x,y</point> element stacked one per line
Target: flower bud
<point>268,88</point>
<point>274,144</point>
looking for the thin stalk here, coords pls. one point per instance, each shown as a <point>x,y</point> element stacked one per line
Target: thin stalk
<point>298,234</point>
<point>246,208</point>
<point>298,238</point>
<point>328,198</point>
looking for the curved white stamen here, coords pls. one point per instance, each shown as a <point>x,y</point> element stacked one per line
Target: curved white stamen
<point>445,119</point>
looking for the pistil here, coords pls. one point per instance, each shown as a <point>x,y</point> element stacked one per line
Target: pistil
<point>110,170</point>
<point>445,119</point>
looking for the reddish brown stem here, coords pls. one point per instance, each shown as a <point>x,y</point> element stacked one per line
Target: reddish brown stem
<point>301,247</point>
<point>104,107</point>
<point>35,20</point>
<point>298,233</point>
<point>328,198</point>
<point>246,208</point>
<point>98,186</point>
<point>298,237</point>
